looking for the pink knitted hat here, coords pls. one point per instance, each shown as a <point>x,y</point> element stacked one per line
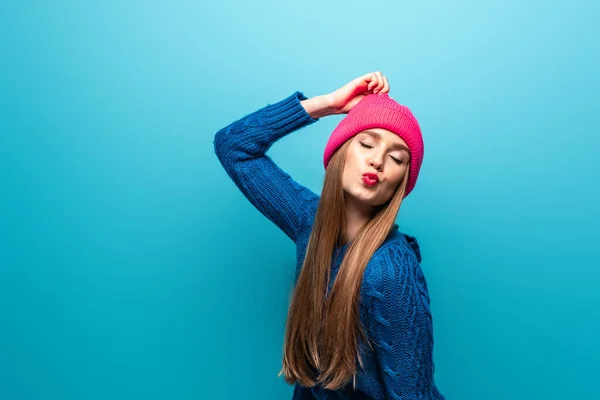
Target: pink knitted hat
<point>381,111</point>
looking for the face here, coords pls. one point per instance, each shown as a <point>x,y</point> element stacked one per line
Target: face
<point>378,152</point>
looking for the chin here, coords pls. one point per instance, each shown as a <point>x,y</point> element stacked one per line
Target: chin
<point>363,197</point>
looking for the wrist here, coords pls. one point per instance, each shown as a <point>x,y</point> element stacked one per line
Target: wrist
<point>319,106</point>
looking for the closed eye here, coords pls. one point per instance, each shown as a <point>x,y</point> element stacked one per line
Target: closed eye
<point>370,147</point>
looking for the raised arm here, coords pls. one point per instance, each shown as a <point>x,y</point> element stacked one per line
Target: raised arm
<point>241,148</point>
<point>403,329</point>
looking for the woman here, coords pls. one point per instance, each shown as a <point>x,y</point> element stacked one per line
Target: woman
<point>359,324</point>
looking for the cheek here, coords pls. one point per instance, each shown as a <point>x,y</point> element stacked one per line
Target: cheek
<point>351,166</point>
<point>396,179</point>
<point>351,163</point>
<point>351,156</point>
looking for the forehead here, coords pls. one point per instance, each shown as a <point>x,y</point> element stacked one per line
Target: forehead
<point>384,134</point>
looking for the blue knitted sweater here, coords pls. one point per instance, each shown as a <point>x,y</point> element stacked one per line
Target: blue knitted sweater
<point>394,301</point>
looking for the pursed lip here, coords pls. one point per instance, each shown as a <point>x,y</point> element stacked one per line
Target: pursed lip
<point>371,175</point>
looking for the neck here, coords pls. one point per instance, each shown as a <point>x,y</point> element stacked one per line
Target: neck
<point>357,216</point>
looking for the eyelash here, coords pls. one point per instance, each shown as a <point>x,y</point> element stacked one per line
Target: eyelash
<point>370,147</point>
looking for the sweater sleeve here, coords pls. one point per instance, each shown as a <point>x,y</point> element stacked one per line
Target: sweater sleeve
<point>402,330</point>
<point>241,147</point>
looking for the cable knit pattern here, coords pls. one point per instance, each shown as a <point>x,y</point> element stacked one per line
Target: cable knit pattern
<point>394,305</point>
<point>403,331</point>
<point>241,148</point>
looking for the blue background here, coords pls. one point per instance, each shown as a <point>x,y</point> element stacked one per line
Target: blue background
<point>131,267</point>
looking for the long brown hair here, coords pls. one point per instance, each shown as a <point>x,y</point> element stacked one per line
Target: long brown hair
<point>324,331</point>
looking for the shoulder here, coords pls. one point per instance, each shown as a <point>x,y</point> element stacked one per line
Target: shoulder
<point>399,253</point>
<point>395,270</point>
<point>393,261</point>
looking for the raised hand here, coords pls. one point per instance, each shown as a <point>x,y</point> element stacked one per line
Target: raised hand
<point>343,99</point>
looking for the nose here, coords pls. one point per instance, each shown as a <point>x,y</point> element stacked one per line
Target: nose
<point>375,163</point>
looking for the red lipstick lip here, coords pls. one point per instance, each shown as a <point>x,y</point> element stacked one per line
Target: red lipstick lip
<point>372,176</point>
<point>370,179</point>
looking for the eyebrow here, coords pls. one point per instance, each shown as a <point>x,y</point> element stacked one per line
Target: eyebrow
<point>395,146</point>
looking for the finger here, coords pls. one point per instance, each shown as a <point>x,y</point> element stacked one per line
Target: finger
<point>361,83</point>
<point>380,81</point>
<point>372,81</point>
<point>366,77</point>
<point>386,86</point>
